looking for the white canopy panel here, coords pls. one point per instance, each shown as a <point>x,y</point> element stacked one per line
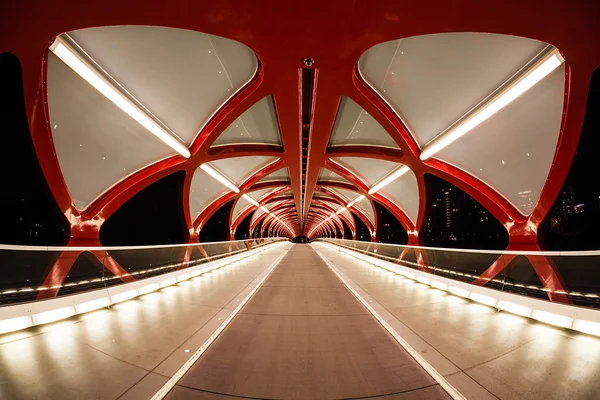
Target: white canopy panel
<point>513,150</point>
<point>203,191</point>
<point>433,80</point>
<point>241,203</point>
<point>349,195</point>
<point>257,213</point>
<point>328,175</point>
<point>404,192</point>
<point>365,206</point>
<point>368,169</point>
<point>336,207</point>
<point>257,194</point>
<point>182,77</point>
<point>238,169</point>
<point>96,143</point>
<point>279,175</point>
<point>353,125</point>
<point>257,125</point>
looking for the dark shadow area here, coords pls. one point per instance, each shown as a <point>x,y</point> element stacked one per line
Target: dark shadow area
<point>300,239</point>
<point>152,216</point>
<point>347,231</point>
<point>257,230</point>
<point>575,217</point>
<point>457,220</point>
<point>30,215</point>
<point>217,226</point>
<point>389,228</point>
<point>362,232</point>
<point>242,230</point>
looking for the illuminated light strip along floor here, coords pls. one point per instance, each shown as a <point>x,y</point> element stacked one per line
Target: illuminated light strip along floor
<point>192,360</point>
<point>92,302</point>
<point>452,272</point>
<point>451,390</point>
<point>493,298</point>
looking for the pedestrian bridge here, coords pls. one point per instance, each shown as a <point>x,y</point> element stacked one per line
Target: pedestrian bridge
<point>290,127</point>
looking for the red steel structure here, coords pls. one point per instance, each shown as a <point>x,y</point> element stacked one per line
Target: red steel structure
<point>334,34</point>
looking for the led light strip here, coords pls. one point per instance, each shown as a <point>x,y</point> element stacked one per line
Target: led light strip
<point>546,312</point>
<point>389,179</point>
<point>439,378</point>
<point>215,174</point>
<point>25,315</point>
<point>250,200</point>
<point>198,353</point>
<point>520,85</point>
<point>84,69</point>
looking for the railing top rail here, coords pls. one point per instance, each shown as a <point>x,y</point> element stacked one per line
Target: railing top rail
<point>106,248</point>
<point>497,252</point>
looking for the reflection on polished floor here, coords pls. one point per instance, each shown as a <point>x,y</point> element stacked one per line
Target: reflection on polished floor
<point>302,335</point>
<point>130,351</point>
<point>483,353</point>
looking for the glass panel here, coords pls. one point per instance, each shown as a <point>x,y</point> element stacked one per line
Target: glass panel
<point>569,278</point>
<point>30,274</point>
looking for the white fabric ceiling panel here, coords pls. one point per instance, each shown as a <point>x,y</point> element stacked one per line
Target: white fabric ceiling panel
<point>257,213</point>
<point>328,175</point>
<point>370,169</point>
<point>203,191</point>
<point>257,125</point>
<point>260,212</point>
<point>182,77</point>
<point>347,194</point>
<point>96,143</point>
<point>353,125</point>
<point>240,205</point>
<point>433,80</point>
<point>513,150</point>
<point>348,215</point>
<point>404,192</point>
<point>336,206</point>
<point>279,175</point>
<point>257,194</point>
<point>365,206</point>
<point>238,169</point>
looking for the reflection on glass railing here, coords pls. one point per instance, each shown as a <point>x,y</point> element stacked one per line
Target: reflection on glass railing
<point>561,277</point>
<point>37,273</point>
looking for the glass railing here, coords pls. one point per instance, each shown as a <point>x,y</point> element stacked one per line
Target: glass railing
<point>562,277</point>
<point>37,273</point>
